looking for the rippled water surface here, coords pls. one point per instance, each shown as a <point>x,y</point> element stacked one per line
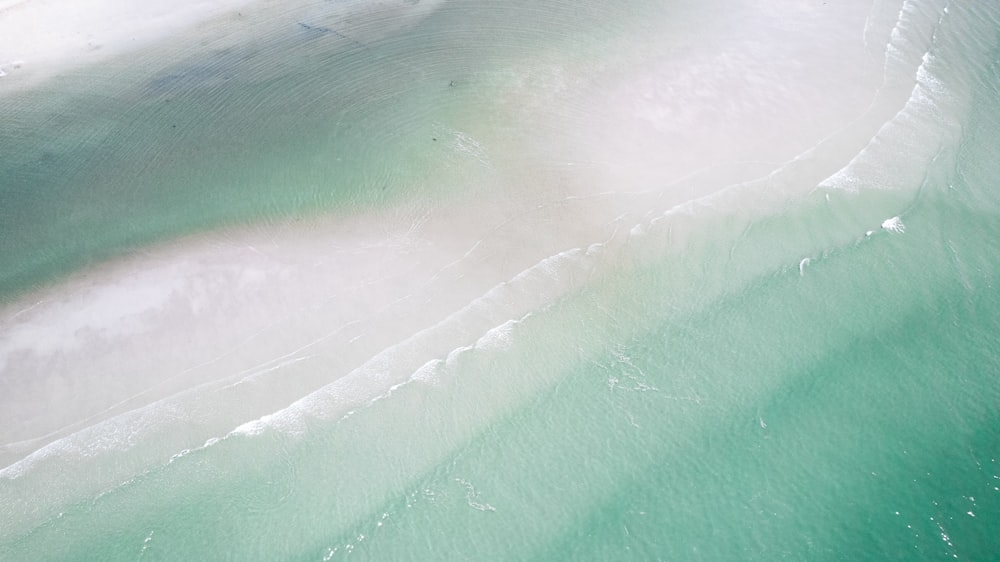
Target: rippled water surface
<point>458,279</point>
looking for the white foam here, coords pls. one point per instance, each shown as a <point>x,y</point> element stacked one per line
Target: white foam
<point>114,434</point>
<point>894,224</point>
<point>472,497</point>
<point>370,383</point>
<point>497,339</point>
<point>915,28</point>
<point>407,360</point>
<point>429,372</point>
<point>897,155</point>
<point>252,427</point>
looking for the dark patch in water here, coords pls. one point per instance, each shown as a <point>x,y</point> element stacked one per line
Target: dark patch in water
<point>321,30</point>
<point>219,68</point>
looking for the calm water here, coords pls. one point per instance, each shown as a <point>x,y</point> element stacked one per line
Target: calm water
<point>539,280</point>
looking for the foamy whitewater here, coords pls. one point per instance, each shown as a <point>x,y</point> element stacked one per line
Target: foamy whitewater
<point>444,280</point>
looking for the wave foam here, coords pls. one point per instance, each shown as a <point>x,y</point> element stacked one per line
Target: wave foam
<point>894,224</point>
<point>530,290</point>
<point>930,119</point>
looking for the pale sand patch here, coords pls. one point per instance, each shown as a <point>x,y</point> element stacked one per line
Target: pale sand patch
<point>303,304</point>
<point>248,305</point>
<point>40,38</point>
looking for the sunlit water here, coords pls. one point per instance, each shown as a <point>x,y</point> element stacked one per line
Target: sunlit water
<point>500,281</point>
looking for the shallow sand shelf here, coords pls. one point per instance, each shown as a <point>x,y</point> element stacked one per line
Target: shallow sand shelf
<point>467,279</point>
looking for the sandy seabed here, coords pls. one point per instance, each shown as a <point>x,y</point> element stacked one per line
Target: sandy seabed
<point>222,328</point>
<point>223,308</point>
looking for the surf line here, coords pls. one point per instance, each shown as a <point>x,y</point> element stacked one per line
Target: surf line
<point>472,496</point>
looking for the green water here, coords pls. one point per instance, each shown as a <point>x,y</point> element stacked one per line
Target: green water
<point>765,373</point>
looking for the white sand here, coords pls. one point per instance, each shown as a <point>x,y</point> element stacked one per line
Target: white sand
<point>249,305</point>
<point>40,38</point>
<point>264,316</point>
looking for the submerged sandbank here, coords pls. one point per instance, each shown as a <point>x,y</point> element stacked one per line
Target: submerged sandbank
<point>598,151</point>
<point>184,341</point>
<point>647,255</point>
<point>238,305</point>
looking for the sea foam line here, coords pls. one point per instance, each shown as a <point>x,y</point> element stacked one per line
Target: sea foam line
<point>532,288</point>
<point>529,289</point>
<point>927,121</point>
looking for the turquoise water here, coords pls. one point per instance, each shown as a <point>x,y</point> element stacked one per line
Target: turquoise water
<point>681,281</point>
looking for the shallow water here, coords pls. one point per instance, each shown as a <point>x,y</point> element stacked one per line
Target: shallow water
<point>534,281</point>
